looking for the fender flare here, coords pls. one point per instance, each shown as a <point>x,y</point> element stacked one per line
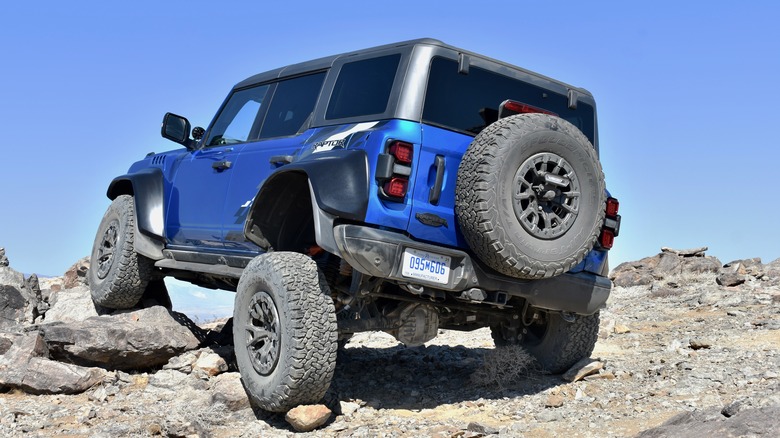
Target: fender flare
<point>337,182</point>
<point>146,187</point>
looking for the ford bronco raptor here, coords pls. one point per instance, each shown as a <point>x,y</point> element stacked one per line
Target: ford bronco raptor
<point>403,188</point>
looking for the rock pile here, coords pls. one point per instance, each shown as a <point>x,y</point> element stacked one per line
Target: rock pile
<point>683,350</point>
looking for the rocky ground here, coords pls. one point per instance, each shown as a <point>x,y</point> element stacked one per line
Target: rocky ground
<point>687,347</point>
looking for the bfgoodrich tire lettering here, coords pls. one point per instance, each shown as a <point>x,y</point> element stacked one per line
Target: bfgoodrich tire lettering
<point>530,196</point>
<point>284,331</point>
<point>118,275</point>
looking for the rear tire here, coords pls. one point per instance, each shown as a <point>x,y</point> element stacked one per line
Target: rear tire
<point>118,276</point>
<point>284,331</point>
<point>555,343</point>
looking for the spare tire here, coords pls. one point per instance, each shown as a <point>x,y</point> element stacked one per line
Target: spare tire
<point>530,196</point>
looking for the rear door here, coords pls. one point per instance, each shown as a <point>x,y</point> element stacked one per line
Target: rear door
<point>280,137</point>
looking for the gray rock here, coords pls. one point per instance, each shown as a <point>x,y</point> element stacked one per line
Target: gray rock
<point>182,363</point>
<point>481,428</point>
<point>748,422</point>
<point>3,259</point>
<point>129,340</point>
<point>18,302</point>
<point>730,279</point>
<point>9,277</point>
<point>549,415</point>
<point>693,252</point>
<point>668,265</point>
<point>17,351</point>
<point>168,379</point>
<point>228,390</point>
<point>24,365</point>
<point>14,307</point>
<point>44,376</point>
<point>701,265</point>
<point>70,305</point>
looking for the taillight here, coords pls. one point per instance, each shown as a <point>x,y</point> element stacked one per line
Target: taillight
<point>607,239</point>
<point>401,151</point>
<point>396,187</point>
<point>611,226</point>
<point>509,107</point>
<point>393,170</point>
<point>612,207</point>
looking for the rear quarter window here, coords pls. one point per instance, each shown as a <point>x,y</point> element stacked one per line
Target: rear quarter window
<point>469,103</point>
<point>363,87</point>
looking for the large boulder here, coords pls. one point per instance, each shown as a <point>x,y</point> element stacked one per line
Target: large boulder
<point>18,302</point>
<point>127,340</point>
<point>70,305</point>
<point>44,376</point>
<point>24,365</point>
<point>16,350</point>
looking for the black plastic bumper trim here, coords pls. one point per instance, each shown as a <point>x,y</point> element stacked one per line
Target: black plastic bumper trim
<point>378,253</point>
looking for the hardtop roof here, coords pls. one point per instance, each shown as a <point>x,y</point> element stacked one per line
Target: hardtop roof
<point>328,61</point>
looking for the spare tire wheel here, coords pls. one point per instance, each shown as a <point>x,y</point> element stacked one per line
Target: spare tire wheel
<point>530,196</point>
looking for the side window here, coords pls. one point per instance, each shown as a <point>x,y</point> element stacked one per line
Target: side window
<point>239,116</point>
<point>291,105</point>
<point>363,87</point>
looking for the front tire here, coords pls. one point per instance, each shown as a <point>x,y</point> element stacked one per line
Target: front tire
<point>117,275</point>
<point>284,331</point>
<point>556,344</point>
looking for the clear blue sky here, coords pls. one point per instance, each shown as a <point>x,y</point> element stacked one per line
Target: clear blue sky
<point>688,100</point>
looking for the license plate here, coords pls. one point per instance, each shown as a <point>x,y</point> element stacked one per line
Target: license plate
<point>424,265</point>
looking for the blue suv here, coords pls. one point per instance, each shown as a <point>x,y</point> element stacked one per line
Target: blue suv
<point>403,188</point>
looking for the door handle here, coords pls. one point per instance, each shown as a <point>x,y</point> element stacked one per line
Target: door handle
<point>435,194</point>
<point>221,165</point>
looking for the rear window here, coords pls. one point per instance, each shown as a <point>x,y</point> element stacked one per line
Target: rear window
<point>469,103</point>
<point>363,87</point>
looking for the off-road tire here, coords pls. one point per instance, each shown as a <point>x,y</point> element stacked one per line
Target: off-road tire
<point>282,296</point>
<point>490,198</point>
<point>118,276</point>
<point>555,343</point>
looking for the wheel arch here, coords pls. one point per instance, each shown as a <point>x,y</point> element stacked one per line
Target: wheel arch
<point>302,200</point>
<point>146,188</point>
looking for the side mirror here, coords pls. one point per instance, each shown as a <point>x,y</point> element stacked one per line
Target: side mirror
<point>177,129</point>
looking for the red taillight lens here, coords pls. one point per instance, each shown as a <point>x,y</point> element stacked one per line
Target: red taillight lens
<point>524,108</point>
<point>396,187</point>
<point>607,239</point>
<point>612,207</point>
<point>402,152</point>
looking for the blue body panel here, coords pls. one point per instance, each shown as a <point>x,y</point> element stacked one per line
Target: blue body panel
<point>451,146</point>
<point>205,209</point>
<point>196,203</point>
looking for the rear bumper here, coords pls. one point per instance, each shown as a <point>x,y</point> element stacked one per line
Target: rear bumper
<point>378,253</point>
